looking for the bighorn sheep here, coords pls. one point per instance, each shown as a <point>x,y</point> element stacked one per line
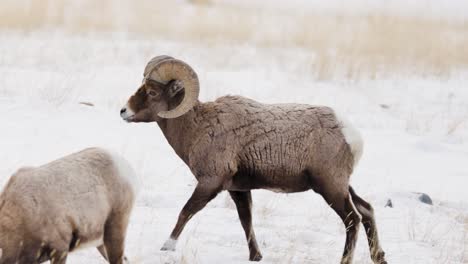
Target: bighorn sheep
<point>84,199</point>
<point>237,144</point>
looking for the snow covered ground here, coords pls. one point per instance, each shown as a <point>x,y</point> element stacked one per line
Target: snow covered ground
<point>415,129</point>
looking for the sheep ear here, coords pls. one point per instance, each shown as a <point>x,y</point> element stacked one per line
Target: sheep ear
<point>1,253</point>
<point>175,87</point>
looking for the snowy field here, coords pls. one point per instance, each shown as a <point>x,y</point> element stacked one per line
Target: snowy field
<point>414,119</point>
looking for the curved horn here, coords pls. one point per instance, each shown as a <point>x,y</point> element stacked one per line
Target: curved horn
<point>153,62</point>
<point>164,69</point>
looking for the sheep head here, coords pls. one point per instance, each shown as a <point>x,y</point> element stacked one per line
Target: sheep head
<point>170,89</point>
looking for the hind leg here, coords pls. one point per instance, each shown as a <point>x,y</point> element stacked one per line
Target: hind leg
<point>342,204</point>
<point>102,250</point>
<point>114,239</point>
<point>368,220</point>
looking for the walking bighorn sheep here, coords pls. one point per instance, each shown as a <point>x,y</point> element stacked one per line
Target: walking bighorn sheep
<point>84,199</point>
<point>238,144</point>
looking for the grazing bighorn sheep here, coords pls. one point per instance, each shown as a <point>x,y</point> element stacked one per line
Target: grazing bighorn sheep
<point>238,144</point>
<point>84,199</point>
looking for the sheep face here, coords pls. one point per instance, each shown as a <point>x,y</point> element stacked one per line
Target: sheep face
<point>149,100</point>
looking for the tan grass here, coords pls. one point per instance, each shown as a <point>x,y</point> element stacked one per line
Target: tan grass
<point>353,46</point>
<point>201,2</point>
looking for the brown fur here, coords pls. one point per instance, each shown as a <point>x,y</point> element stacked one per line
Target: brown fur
<point>49,211</point>
<point>238,144</point>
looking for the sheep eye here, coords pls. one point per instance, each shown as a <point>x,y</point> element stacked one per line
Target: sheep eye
<point>152,93</point>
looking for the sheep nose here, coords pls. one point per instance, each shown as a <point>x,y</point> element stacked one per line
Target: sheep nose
<point>123,110</point>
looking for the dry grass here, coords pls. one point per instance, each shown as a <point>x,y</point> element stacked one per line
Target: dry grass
<point>201,2</point>
<point>352,46</point>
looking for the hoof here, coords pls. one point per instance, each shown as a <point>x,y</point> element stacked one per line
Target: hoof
<point>170,245</point>
<point>164,248</point>
<point>257,256</point>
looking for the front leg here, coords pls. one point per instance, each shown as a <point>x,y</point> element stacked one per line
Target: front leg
<point>203,194</point>
<point>243,201</point>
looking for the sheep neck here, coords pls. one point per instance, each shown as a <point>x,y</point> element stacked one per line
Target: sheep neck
<point>179,132</point>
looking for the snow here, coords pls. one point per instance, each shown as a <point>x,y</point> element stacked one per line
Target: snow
<point>414,127</point>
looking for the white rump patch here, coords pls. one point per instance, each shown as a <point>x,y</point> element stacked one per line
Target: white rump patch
<point>170,244</point>
<point>126,171</point>
<point>352,137</point>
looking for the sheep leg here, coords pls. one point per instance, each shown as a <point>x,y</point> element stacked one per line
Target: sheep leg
<point>344,207</point>
<point>243,201</point>
<point>114,238</point>
<point>199,199</point>
<point>102,250</point>
<point>59,258</point>
<point>368,221</point>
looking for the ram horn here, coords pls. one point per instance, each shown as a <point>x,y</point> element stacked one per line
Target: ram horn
<point>164,69</point>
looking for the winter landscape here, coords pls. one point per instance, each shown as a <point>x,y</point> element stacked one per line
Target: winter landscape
<point>397,69</point>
